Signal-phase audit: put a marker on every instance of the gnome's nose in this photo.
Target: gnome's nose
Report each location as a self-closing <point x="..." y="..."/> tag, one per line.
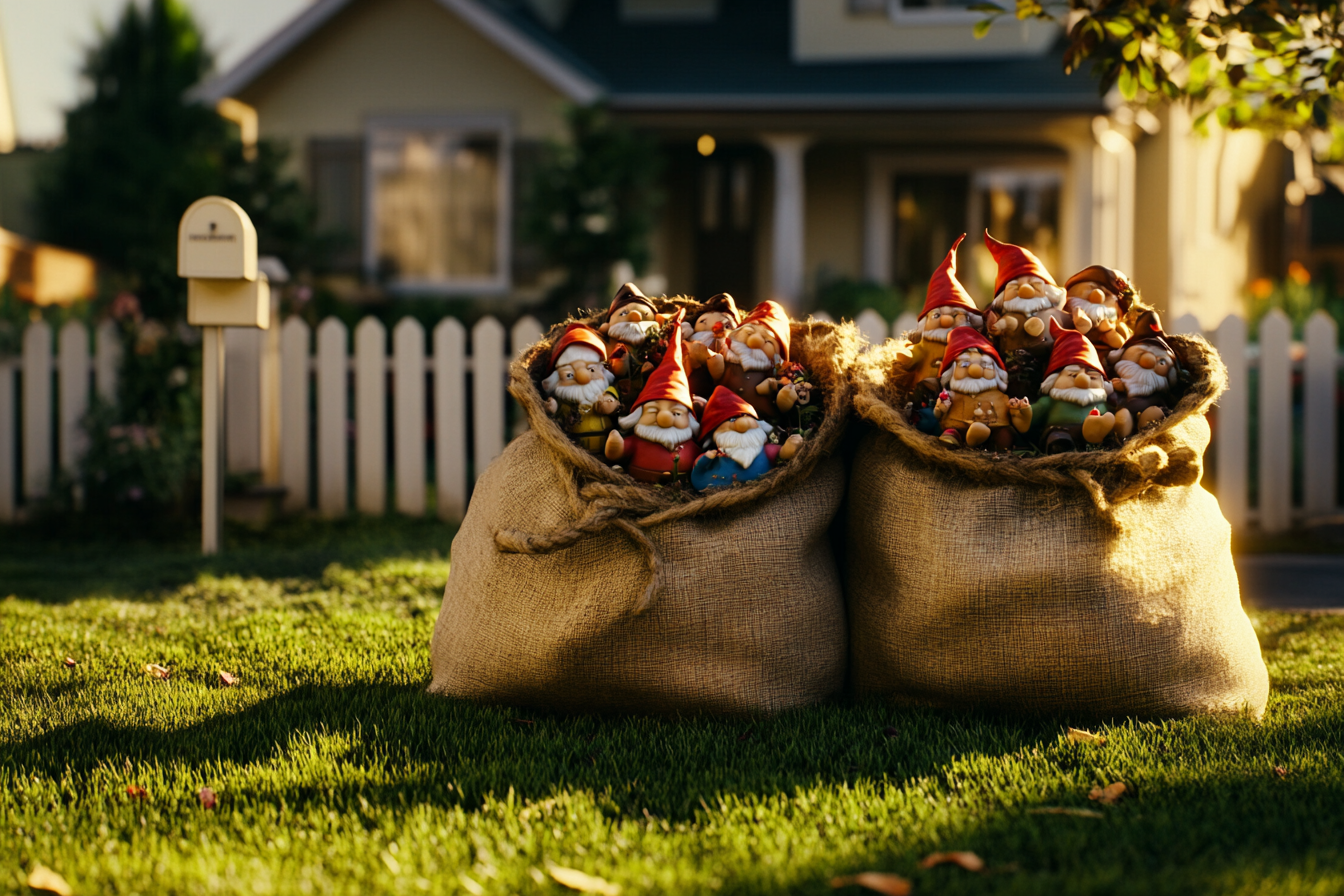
<point x="1096" y="297"/>
<point x="665" y="419"/>
<point x="1081" y="381"/>
<point x="755" y="341"/>
<point x="744" y="424"/>
<point x="1147" y="361"/>
<point x="974" y="371"/>
<point x="1026" y="291"/>
<point x="947" y="320"/>
<point x="581" y="376"/>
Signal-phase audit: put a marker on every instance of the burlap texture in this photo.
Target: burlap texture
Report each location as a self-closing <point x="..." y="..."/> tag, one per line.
<point x="1094" y="582"/>
<point x="572" y="587"/>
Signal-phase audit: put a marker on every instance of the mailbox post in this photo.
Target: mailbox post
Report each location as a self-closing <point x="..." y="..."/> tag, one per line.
<point x="217" y="253"/>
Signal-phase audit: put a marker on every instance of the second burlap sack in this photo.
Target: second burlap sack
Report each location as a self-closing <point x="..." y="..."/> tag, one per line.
<point x="574" y="588"/>
<point x="1093" y="582"/>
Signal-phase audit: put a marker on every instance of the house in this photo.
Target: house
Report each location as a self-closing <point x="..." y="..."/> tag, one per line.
<point x="806" y="141"/>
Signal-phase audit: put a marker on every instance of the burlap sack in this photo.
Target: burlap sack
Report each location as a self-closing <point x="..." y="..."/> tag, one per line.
<point x="1091" y="582"/>
<point x="574" y="588"/>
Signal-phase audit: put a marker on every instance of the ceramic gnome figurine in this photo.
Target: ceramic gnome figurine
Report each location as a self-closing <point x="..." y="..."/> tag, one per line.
<point x="662" y="447"/>
<point x="707" y="334"/>
<point x="1026" y="300"/>
<point x="736" y="438"/>
<point x="1098" y="300"/>
<point x="631" y="325"/>
<point x="1146" y="370"/>
<point x="1072" y="408"/>
<point x="973" y="408"/>
<point x="947" y="305"/>
<point x="755" y="348"/>
<point x="579" y="389"/>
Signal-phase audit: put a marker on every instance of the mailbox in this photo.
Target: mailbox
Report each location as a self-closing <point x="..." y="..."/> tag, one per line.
<point x="217" y="253"/>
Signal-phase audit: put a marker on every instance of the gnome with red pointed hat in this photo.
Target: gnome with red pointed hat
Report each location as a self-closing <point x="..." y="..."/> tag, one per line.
<point x="662" y="448"/>
<point x="705" y="334"/>
<point x="1026" y="299"/>
<point x="747" y="368"/>
<point x="1147" y="369"/>
<point x="579" y="389"/>
<point x="973" y="408"/>
<point x="738" y="443"/>
<point x="1099" y="298"/>
<point x="1072" y="409"/>
<point x="947" y="305"/>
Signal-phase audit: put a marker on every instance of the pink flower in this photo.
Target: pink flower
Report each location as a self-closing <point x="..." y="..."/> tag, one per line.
<point x="126" y="305"/>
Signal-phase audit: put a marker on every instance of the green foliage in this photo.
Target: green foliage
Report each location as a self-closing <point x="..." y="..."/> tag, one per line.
<point x="846" y="299"/>
<point x="337" y="773"/>
<point x="593" y="202"/>
<point x="1297" y="296"/>
<point x="1273" y="65"/>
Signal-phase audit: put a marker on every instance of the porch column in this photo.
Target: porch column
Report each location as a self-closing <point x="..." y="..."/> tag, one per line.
<point x="787" y="240"/>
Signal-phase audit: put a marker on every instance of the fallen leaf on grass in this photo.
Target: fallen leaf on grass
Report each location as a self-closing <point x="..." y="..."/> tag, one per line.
<point x="526" y="723"/>
<point x="1079" y="736"/>
<point x="1108" y="795"/>
<point x="746" y="735"/>
<point x="1065" y="810"/>
<point x="70" y="662"/>
<point x="43" y="878"/>
<point x="1280" y="771"/>
<point x="889" y="732"/>
<point x="968" y="860"/>
<point x="584" y="883"/>
<point x="227" y="679"/>
<point x="890" y="884"/>
<point x="136" y="792"/>
<point x="154" y="670"/>
<point x="207" y="798"/>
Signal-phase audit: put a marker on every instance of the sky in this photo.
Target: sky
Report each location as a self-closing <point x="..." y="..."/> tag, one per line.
<point x="44" y="43"/>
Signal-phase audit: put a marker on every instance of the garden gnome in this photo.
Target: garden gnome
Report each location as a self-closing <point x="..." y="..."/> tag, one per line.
<point x="1026" y="299"/>
<point x="755" y="348"/>
<point x="1098" y="300"/>
<point x="740" y="451"/>
<point x="579" y="389"/>
<point x="946" y="305"/>
<point x="662" y="449"/>
<point x="1072" y="407"/>
<point x="707" y="335"/>
<point x="973" y="408"/>
<point x="1146" y="370"/>
<point x="631" y="324"/>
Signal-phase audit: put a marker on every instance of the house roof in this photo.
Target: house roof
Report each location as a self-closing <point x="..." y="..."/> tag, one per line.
<point x="742" y="59"/>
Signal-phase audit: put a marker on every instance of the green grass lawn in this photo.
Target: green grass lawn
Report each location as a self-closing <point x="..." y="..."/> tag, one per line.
<point x="336" y="773"/>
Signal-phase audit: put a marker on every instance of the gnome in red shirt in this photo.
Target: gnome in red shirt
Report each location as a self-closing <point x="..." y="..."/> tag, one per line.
<point x="947" y="305"/>
<point x="662" y="449"/>
<point x="747" y="368"/>
<point x="1026" y="299"/>
<point x="707" y="334"/>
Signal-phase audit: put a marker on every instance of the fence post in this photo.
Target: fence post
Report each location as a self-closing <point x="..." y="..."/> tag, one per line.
<point x="487" y="368"/>
<point x="106" y="360"/>
<point x="371" y="417"/>
<point x="904" y="324"/>
<point x="872" y="326"/>
<point x="1318" y="406"/>
<point x="294" y="372"/>
<point x="37" y="409"/>
<point x="408" y="413"/>
<point x="1276" y="434"/>
<point x="1186" y="324"/>
<point x="74" y="390"/>
<point x="1234" y="423"/>
<point x="242" y="399"/>
<point x="9" y="438"/>
<point x="450" y="419"/>
<point x="332" y="445"/>
<point x="524" y="334"/>
<point x="822" y="316"/>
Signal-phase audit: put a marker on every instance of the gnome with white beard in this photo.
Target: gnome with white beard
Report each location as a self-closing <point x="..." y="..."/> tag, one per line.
<point x="973" y="408"/>
<point x="747" y="368"/>
<point x="1072" y="410"/>
<point x="579" y="389"/>
<point x="1098" y="300"/>
<point x="947" y="305"/>
<point x="1026" y="301"/>
<point x="705" y="335"/>
<point x="630" y="329"/>
<point x="737" y="443"/>
<point x="662" y="449"/>
<point x="1146" y="371"/>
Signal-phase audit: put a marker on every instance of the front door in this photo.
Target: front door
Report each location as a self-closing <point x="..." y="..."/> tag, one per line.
<point x="727" y="185"/>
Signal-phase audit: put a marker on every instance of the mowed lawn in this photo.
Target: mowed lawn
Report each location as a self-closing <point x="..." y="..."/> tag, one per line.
<point x="336" y="773"/>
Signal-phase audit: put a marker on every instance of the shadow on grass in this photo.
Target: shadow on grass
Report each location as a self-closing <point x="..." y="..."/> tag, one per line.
<point x="37" y="567"/>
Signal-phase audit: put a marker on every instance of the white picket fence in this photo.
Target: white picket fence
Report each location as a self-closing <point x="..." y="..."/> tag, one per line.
<point x="288" y="416"/>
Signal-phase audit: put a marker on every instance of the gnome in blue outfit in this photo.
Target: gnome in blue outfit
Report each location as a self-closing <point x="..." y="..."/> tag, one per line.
<point x="737" y="442"/>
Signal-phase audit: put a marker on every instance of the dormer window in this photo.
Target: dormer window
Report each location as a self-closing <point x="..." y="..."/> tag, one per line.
<point x="670" y="11"/>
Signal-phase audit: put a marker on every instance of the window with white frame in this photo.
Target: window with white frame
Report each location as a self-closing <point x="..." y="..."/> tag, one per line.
<point x="942" y="11"/>
<point x="438" y="203"/>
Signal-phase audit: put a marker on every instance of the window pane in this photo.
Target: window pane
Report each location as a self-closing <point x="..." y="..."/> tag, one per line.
<point x="930" y="213"/>
<point x="436" y="204"/>
<point x="1019" y="207"/>
<point x="337" y="172"/>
